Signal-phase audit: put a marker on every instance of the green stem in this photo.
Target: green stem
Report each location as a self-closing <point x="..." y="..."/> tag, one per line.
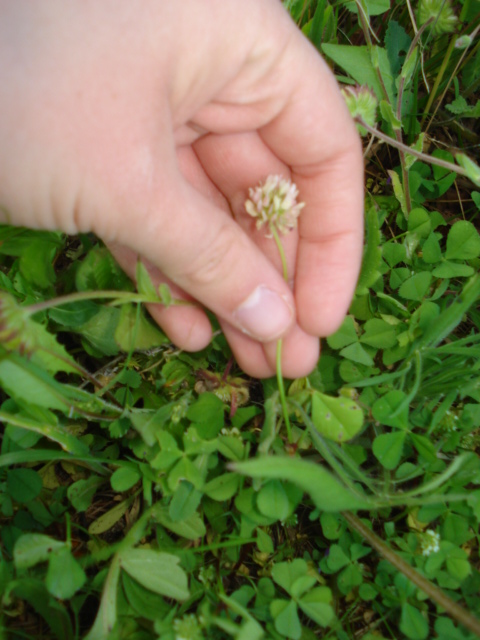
<point x="437" y="595"/>
<point x="122" y="297"/>
<point x="281" y="386"/>
<point x="281" y="391"/>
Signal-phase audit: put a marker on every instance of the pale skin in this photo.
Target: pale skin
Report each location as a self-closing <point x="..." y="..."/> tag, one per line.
<point x="147" y="122"/>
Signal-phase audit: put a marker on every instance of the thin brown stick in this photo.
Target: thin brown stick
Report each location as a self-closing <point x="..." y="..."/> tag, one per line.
<point x="435" y="593"/>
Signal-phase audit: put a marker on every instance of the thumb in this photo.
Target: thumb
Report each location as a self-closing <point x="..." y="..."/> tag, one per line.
<point x="203" y="250"/>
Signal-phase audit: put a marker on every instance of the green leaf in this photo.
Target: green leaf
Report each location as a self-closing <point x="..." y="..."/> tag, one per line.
<point x="337" y="558"/>
<point x="81" y="492"/>
<point x="124" y="478"/>
<point x="416" y="287"/>
<point x="184" y="502"/>
<point x="372" y="254"/>
<point x="424" y="446"/>
<point x="208" y="413"/>
<point x="107" y="613"/>
<point x="100" y="329"/>
<point x="399" y="192"/>
<point x="54" y="613"/>
<point x="419" y="222"/>
<point x="222" y="487"/>
<point x="338" y="419"/>
<point x="326" y="492"/>
<point x="345" y="335"/>
<point x="385" y="409"/>
<point x="373" y="7"/>
<point x="412" y="623"/>
<point x="394" y="253"/>
<point x="144" y="282"/>
<point x="146" y="604"/>
<point x="463" y="241"/>
<point x="64" y="576"/>
<point x="316" y="605"/>
<point x="75" y="314"/>
<point x="457" y="564"/>
<point x="453" y="270"/>
<point x="107" y="520"/>
<point x="33" y="548"/>
<point x="379" y="334"/>
<point x="431" y="251"/>
<point x="192" y="529"/>
<point x="156" y="571"/>
<point x="272" y="501"/>
<point x="23" y="485"/>
<point x="471" y="168"/>
<point x="388" y="448"/>
<point x="358" y="354"/>
<point x="100" y="271"/>
<point x="27" y="383"/>
<point x="451" y="316"/>
<point x="36" y="261"/>
<point x="396" y="42"/>
<point x="389" y="116"/>
<point x="286" y="618"/>
<point x="356" y="62"/>
<point x="134" y="331"/>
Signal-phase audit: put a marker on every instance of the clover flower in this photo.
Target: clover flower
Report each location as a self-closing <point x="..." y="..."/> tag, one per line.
<point x="362" y="103"/>
<point x="274" y="204"/>
<point x="429" y="542"/>
<point x="444" y="19"/>
<point x="187" y="628"/>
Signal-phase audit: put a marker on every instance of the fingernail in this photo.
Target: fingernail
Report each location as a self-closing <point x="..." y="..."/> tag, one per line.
<point x="264" y="315"/>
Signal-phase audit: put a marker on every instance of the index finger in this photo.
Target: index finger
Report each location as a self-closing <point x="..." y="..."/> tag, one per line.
<point x="314" y="134"/>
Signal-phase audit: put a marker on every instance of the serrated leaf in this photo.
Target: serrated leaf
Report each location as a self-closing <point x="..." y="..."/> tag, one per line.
<point x="156" y="571"/>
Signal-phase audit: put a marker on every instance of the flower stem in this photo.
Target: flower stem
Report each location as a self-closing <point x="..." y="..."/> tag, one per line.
<point x="119" y="297"/>
<point x="281" y="386"/>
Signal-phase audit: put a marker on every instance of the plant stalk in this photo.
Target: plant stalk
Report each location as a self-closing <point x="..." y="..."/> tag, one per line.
<point x="435" y="593"/>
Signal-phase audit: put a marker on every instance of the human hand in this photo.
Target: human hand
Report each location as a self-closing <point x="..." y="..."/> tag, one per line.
<point x="146" y="123"/>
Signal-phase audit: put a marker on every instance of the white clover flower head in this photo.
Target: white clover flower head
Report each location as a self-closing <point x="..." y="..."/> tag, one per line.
<point x="274" y="204"/>
<point x="444" y="19"/>
<point x="429" y="542"/>
<point x="187" y="628"/>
